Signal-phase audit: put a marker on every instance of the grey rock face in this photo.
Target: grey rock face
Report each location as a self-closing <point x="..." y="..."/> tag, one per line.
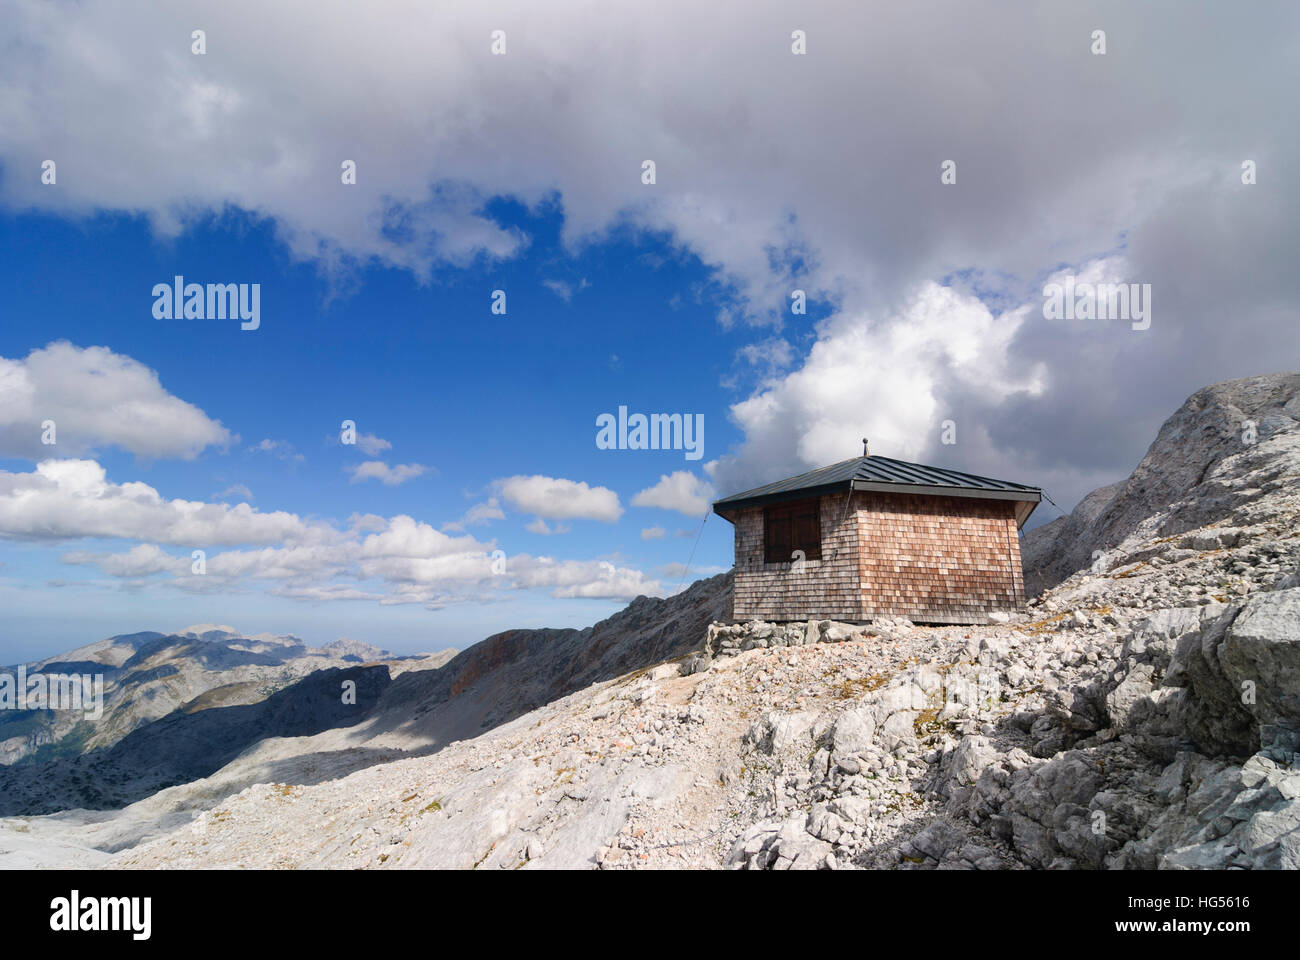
<point x="854" y="731"/>
<point x="1260" y="657"/>
<point x="1183" y="482"/>
<point x="1212" y="716"/>
<point x="1223" y="815"/>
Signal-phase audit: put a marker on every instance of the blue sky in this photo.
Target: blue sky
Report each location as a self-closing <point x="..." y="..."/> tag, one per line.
<point x="471" y="396"/>
<point x="816" y="166"/>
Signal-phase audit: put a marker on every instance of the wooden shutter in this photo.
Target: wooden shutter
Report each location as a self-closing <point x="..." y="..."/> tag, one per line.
<point x="791" y="527"/>
<point x="808" y="531"/>
<point x="779" y="536"/>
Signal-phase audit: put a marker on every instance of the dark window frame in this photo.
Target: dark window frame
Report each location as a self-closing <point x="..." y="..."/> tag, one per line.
<point x="788" y="527"/>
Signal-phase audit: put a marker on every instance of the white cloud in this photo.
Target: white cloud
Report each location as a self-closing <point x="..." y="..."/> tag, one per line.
<point x="97" y="399"/>
<point x="682" y="491"/>
<point x="68" y="499"/>
<point x="769" y="357"/>
<point x="367" y="523"/>
<point x="328" y="591"/>
<point x="565" y="291"/>
<point x="653" y="533"/>
<point x="485" y="512"/>
<point x="478" y="515"/>
<point x="559" y="288"/>
<point x="560" y="499"/>
<point x="236" y="490"/>
<point x="818" y="414"/>
<point x="407" y="561"/>
<point x="588" y="579"/>
<point x="142" y="560"/>
<point x="306" y="562"/>
<point x="411" y="551"/>
<point x="388" y="476"/>
<point x="280" y="449"/>
<point x="539" y="526"/>
<point x="404" y="536"/>
<point x="139" y="125"/>
<point x="371" y="445"/>
<point x="129" y="97"/>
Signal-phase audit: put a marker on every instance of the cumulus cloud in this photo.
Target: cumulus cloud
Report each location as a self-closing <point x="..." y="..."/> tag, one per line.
<point x="653" y="533"/>
<point x="758" y="174"/>
<point x="772" y="211"/>
<point x="768" y="357"/>
<point x="682" y="491"/>
<point x="142" y="560"/>
<point x="389" y="476"/>
<point x="96" y="399"/>
<point x="371" y="445"/>
<point x="477" y="515"/>
<point x="539" y="526"/>
<point x="69" y="499"/>
<point x="398" y="560"/>
<point x="556" y="498"/>
<point x="596" y="579"/>
<point x="306" y="562"/>
<point x="404" y="536"/>
<point x="882" y="378"/>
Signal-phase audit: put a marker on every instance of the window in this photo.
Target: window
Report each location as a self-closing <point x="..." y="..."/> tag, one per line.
<point x="791" y="527"/>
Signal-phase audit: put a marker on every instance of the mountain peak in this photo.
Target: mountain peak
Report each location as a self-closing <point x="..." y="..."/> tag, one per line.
<point x="1217" y="459"/>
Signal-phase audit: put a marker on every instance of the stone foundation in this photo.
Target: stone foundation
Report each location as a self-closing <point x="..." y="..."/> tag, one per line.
<point x="729" y="639"/>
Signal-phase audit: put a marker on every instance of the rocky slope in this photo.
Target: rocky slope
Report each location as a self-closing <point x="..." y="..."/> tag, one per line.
<point x="1193" y="475"/>
<point x="1144" y="712"/>
<point x="517" y="671"/>
<point x="1097" y="739"/>
<point x="216" y="744"/>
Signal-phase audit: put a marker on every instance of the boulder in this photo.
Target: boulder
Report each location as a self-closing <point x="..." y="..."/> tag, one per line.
<point x="853" y="732"/>
<point x="778" y="732"/>
<point x="1262" y="651"/>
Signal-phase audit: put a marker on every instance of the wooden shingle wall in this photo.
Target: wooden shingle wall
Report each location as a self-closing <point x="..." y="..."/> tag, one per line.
<point x="828" y="588"/>
<point x="938" y="559"/>
<point x="930" y="559"/>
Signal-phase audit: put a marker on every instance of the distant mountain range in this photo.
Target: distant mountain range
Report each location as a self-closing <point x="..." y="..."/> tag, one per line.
<point x="149" y="675"/>
<point x="179" y="707"/>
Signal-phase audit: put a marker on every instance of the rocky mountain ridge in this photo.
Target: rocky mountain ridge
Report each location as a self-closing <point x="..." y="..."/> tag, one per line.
<point x="1192" y="476"/>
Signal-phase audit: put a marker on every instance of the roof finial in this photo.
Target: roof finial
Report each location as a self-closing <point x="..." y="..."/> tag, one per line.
<point x="865" y="451"/>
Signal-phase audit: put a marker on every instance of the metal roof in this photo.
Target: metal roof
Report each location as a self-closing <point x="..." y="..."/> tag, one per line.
<point x="885" y="474"/>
